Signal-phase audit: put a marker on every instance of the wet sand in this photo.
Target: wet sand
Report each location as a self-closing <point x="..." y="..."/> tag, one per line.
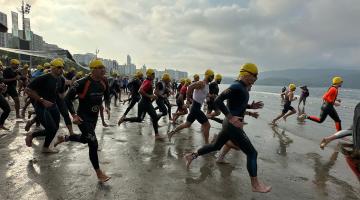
<point x="141" y="168"/>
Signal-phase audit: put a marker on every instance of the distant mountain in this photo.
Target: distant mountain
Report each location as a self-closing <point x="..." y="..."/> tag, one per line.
<point x="309" y="77"/>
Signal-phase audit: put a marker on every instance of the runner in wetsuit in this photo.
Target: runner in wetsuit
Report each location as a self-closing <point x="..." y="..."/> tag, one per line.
<point x="24" y="78"/>
<point x="10" y="79"/>
<point x="196" y="78"/>
<point x="289" y="97"/>
<point x="198" y="91"/>
<point x="181" y="96"/>
<point x="114" y="87"/>
<point x="212" y="111"/>
<point x="162" y="91"/>
<point x="182" y="83"/>
<point x="134" y="87"/>
<point x="4" y="105"/>
<point x="304" y="94"/>
<point x="44" y="91"/>
<point x="145" y="104"/>
<point x="90" y="90"/>
<point x="329" y="101"/>
<point x="237" y="96"/>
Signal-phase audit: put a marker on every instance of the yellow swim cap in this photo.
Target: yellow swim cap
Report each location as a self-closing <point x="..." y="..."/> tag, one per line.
<point x="337" y="80"/>
<point x="187" y="81"/>
<point x="150" y="72"/>
<point x="26" y="66"/>
<point x="166" y="77"/>
<point x="96" y="64"/>
<point x="14" y="62"/>
<point x="39" y="67"/>
<point x="79" y="74"/>
<point x="292" y="87"/>
<point x="57" y="62"/>
<point x="46" y="65"/>
<point x="248" y="68"/>
<point x="196" y="76"/>
<point x="209" y="73"/>
<point x="218" y="77"/>
<point x="139" y="74"/>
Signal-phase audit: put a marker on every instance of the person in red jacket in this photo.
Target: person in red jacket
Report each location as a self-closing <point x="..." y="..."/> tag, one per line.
<point x="329" y="101"/>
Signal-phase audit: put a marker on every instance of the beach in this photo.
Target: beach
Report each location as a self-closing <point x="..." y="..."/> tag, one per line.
<point x="289" y="159"/>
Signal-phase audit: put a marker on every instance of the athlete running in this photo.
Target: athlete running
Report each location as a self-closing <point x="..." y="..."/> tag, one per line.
<point x="198" y="91"/>
<point x="44" y="91"/>
<point x="90" y="91"/>
<point x="288" y="109"/>
<point x="11" y="77"/>
<point x="237" y="96"/>
<point x="145" y="104"/>
<point x="329" y="101"/>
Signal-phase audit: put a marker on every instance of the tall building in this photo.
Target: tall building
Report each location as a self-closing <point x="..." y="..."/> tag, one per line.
<point x="3" y="36"/>
<point x="128" y="59"/>
<point x="37" y="42"/>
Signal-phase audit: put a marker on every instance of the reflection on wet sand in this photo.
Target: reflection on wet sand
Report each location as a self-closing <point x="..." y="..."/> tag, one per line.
<point x="322" y="177"/>
<point x="284" y="140"/>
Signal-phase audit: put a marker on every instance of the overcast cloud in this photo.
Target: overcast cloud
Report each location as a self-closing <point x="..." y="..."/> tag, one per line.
<point x="196" y="35"/>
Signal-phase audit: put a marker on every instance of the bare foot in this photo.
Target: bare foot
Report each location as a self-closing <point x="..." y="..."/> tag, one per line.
<point x="4" y="128"/>
<point x="222" y="161"/>
<point x="159" y="137"/>
<point x="48" y="150"/>
<point x="28" y="140"/>
<point x="121" y="120"/>
<point x="261" y="187"/>
<point x="323" y="143"/>
<point x="189" y="158"/>
<point x="105" y="124"/>
<point x="170" y="134"/>
<point x="60" y="139"/>
<point x="102" y="177"/>
<point x="273" y="123"/>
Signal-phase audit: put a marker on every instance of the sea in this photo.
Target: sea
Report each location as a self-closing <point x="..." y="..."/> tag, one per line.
<point x="270" y="95"/>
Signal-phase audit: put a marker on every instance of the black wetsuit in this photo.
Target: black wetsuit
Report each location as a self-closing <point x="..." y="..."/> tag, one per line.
<point x="213" y="92"/>
<point x="10" y="73"/>
<point x="4" y="105"/>
<point x="114" y="88"/>
<point x="134" y="87"/>
<point x="48" y="87"/>
<point x="145" y="106"/>
<point x="163" y="102"/>
<point x="287" y="104"/>
<point x="63" y="108"/>
<point x="90" y="94"/>
<point x="237" y="97"/>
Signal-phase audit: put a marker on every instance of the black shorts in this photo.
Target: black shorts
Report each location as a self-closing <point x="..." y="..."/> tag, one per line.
<point x="211" y="106"/>
<point x="11" y="91"/>
<point x="287" y="107"/>
<point x="196" y="114"/>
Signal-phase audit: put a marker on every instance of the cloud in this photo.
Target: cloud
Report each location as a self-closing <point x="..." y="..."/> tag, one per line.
<point x="196" y="35"/>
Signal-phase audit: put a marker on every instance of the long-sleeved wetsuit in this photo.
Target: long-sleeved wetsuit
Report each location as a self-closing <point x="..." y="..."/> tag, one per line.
<point x="90" y="94"/>
<point x="237" y="97"/>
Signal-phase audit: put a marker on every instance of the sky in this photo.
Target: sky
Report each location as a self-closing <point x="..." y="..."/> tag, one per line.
<point x="193" y="36"/>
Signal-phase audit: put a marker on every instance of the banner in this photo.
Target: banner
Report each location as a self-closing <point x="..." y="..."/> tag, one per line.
<point x="15" y="24"/>
<point x="27" y="29"/>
